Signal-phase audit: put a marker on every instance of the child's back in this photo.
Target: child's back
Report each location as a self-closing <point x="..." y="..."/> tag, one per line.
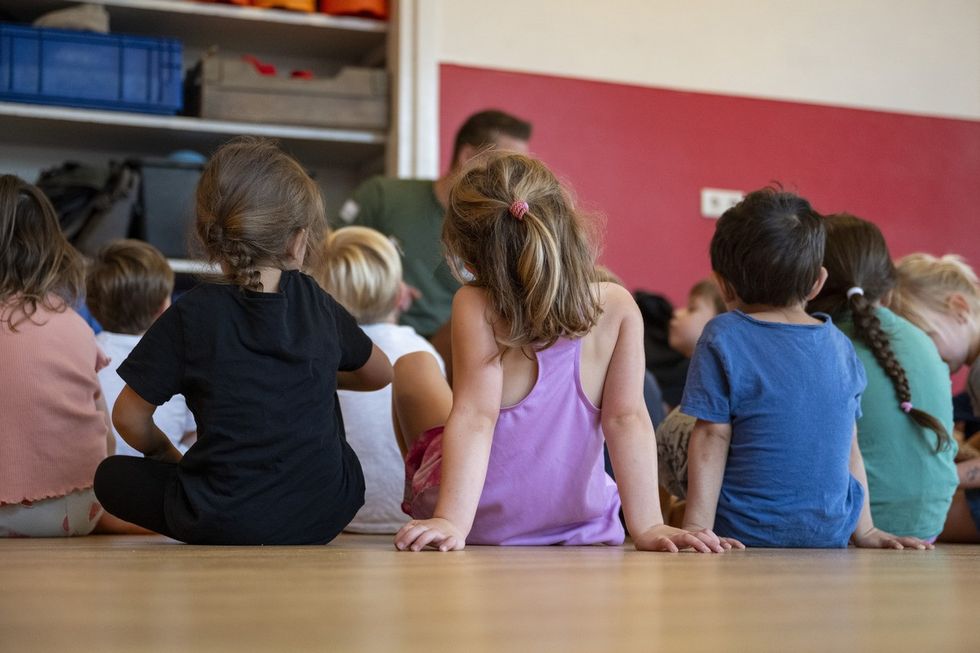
<point x="773" y="456"/>
<point x="258" y="357"/>
<point x="910" y="482"/>
<point x="258" y="369"/>
<point x="907" y="410"/>
<point x="791" y="393"/>
<point x="54" y="431"/>
<point x="362" y="270"/>
<point x="128" y="284"/>
<point x="546" y="363"/>
<point x="546" y="481"/>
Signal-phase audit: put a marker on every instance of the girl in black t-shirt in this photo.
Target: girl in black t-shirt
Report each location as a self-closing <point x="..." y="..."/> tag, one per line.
<point x="259" y="354"/>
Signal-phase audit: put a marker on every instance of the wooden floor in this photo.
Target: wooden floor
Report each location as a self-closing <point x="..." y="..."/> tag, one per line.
<point x="358" y="594"/>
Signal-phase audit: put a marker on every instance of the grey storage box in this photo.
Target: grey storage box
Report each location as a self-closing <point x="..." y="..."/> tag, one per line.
<point x="226" y="87"/>
<point x="167" y="201"/>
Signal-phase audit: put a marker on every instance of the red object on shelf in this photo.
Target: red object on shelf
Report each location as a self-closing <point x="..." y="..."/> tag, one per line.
<point x="301" y="74"/>
<point x="366" y="8"/>
<point x="263" y="68"/>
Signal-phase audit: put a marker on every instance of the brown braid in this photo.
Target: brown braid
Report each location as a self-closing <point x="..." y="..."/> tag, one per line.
<point x="242" y="268"/>
<point x="252" y="200"/>
<point x="868" y="329"/>
<point x="857" y="255"/>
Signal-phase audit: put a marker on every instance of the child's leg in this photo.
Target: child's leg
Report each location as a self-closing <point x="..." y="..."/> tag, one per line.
<point x="961" y="522"/>
<point x="420" y="397"/>
<point x="133" y="489"/>
<point x="73" y="514"/>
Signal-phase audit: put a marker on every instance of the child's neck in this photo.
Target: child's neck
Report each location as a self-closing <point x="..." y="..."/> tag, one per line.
<point x="792" y="314"/>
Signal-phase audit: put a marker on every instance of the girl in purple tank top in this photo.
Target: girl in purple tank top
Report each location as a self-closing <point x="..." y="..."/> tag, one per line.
<point x="547" y="363"/>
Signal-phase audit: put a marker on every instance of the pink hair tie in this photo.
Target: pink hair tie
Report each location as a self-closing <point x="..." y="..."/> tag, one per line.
<point x="907" y="406"/>
<point x="519" y="209"/>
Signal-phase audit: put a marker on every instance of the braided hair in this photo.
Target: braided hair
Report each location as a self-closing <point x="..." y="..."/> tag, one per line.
<point x="861" y="272"/>
<point x="252" y="199"/>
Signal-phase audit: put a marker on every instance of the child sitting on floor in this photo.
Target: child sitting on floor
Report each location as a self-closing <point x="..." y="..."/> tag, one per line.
<point x="361" y="269"/>
<point x="547" y="362"/>
<point x="941" y="297"/>
<point x="259" y="355"/>
<point x="704" y="302"/>
<point x="907" y="410"/>
<point x="54" y="427"/>
<point x="127" y="286"/>
<point x="773" y="457"/>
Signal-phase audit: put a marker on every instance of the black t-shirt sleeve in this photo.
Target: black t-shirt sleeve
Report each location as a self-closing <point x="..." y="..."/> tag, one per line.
<point x="355" y="345"/>
<point x="155" y="367"/>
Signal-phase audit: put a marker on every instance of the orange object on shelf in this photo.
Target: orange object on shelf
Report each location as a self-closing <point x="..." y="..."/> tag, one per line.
<point x="367" y="8"/>
<point x="294" y="5"/>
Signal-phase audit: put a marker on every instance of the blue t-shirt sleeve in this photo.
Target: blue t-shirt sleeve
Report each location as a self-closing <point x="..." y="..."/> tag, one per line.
<point x="707" y="393"/>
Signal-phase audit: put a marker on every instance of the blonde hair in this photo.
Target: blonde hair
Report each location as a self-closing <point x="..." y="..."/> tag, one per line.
<point x="538" y="269"/>
<point x="252" y="199"/>
<point x="127" y="283"/>
<point x="38" y="267"/>
<point x="926" y="282"/>
<point x="362" y="270"/>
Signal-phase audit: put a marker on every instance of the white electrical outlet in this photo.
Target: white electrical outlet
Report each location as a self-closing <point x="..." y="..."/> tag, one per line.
<point x="715" y="201"/>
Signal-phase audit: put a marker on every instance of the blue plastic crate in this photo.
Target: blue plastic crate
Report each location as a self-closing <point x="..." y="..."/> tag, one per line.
<point x="95" y="71"/>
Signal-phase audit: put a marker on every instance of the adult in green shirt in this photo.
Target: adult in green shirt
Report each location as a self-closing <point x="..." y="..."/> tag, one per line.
<point x="411" y="211"/>
<point x="907" y="408"/>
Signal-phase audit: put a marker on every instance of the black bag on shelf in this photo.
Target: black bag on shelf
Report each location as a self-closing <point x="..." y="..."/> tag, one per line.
<point x="94" y="204"/>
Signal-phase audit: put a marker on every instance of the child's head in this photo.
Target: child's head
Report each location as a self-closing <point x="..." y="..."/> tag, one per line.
<point x="514" y="227"/>
<point x="362" y="270"/>
<point x="128" y="285"/>
<point x="37" y="265"/>
<point x="861" y="273"/>
<point x="703" y="303"/>
<point x="768" y="249"/>
<point x="940" y="296"/>
<point x="256" y="207"/>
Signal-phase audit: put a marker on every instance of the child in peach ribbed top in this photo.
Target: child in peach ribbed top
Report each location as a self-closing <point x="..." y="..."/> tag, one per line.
<point x="53" y="425"/>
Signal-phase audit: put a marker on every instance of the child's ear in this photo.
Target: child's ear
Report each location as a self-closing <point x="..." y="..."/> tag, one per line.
<point x="728" y="294"/>
<point x="297" y="246"/>
<point x="818" y="284"/>
<point x="163" y="307"/>
<point x="959" y="306"/>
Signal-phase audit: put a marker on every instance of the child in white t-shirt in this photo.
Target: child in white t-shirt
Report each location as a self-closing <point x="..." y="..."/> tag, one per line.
<point x="128" y="286"/>
<point x="362" y="270"/>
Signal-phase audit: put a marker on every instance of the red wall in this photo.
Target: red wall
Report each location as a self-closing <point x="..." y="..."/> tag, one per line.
<point x="640" y="156"/>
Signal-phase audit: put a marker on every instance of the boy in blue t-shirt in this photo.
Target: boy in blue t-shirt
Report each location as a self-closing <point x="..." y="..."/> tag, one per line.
<point x="773" y="458"/>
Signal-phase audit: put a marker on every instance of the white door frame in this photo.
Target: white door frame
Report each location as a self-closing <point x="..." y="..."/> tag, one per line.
<point x="413" y="44"/>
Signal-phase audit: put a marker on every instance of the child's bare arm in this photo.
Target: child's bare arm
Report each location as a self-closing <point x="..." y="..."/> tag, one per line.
<point x="707" y="455"/>
<point x="631" y="441"/>
<point x="133" y="418"/>
<point x="373" y="375"/>
<point x="469" y="430"/>
<point x="101" y="406"/>
<point x="865" y="534"/>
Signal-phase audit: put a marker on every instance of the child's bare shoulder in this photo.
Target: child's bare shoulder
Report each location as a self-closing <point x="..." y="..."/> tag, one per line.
<point x="616" y="301"/>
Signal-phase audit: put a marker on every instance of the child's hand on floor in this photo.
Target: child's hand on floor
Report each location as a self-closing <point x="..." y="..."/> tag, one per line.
<point x="670" y="539"/>
<point x="436" y="533"/>
<point x="878" y="539"/>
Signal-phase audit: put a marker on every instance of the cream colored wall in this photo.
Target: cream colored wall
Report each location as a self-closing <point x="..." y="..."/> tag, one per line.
<point x="913" y="56"/>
